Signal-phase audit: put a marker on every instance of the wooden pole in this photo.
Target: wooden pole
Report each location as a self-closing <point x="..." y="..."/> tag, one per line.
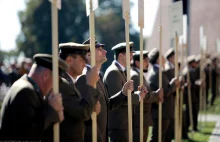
<point x="160" y="75"/>
<point x="189" y="96"/>
<point x="141" y="83"/>
<point x="201" y="89"/>
<point x="141" y="25"/>
<point x="177" y="90"/>
<point x="92" y="49"/>
<point x="160" y="86"/>
<point x="128" y="78"/>
<point x="126" y="16"/>
<point x="54" y="12"/>
<point x="204" y="91"/>
<point x="181" y="95"/>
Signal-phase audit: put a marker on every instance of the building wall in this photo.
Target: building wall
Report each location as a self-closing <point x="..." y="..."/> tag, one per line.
<point x="207" y="14"/>
<point x="202" y="12"/>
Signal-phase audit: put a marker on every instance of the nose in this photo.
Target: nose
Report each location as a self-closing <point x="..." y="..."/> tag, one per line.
<point x="104" y="51"/>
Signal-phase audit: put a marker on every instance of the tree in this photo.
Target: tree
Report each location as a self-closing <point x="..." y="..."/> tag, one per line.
<point x="35" y="21"/>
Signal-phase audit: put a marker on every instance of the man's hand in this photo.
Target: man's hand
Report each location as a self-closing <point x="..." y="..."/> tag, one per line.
<point x="97" y="108"/>
<point x="176" y="81"/>
<point x="128" y="86"/>
<point x="160" y="95"/>
<point x="92" y="76"/>
<point x="55" y="101"/>
<point x="143" y="92"/>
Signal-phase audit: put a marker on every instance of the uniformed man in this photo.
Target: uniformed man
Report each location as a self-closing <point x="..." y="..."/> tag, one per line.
<point x="114" y="79"/>
<point x="169" y="70"/>
<point x="151" y="96"/>
<point x="168" y="89"/>
<point x="24" y="114"/>
<point x="207" y="78"/>
<point x="194" y="87"/>
<point x="215" y="75"/>
<point x="107" y="103"/>
<point x="77" y="109"/>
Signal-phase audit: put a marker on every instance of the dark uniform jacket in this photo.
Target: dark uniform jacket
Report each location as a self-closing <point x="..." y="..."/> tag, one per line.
<point x="168" y="89"/>
<point x="170" y="73"/>
<point x="24" y="113"/>
<point x="77" y="109"/>
<point x="114" y="80"/>
<point x="107" y="104"/>
<point x="151" y="97"/>
<point x="193" y="73"/>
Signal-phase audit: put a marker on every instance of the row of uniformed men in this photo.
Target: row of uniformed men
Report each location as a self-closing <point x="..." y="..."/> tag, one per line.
<point x="28" y="113"/>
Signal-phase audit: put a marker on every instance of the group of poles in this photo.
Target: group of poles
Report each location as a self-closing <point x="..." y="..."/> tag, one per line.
<point x="91" y="6"/>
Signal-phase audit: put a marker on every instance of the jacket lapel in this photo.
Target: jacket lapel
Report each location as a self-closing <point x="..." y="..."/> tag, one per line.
<point x="124" y="77"/>
<point x="66" y="76"/>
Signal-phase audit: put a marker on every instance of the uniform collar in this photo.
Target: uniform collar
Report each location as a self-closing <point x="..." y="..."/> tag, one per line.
<point x="171" y="65"/>
<point x="122" y="67"/>
<point x="73" y="80"/>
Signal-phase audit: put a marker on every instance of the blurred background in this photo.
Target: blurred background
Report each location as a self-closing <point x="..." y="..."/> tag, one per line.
<point x="25" y="27"/>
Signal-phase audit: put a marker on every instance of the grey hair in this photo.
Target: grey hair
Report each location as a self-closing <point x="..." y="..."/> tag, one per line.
<point x="37" y="69"/>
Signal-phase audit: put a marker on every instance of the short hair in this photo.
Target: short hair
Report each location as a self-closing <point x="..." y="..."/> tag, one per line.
<point x="117" y="54"/>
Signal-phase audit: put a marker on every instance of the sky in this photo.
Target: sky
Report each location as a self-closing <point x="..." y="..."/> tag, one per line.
<point x="9" y="16"/>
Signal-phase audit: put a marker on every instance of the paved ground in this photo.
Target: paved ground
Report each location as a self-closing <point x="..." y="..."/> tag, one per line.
<point x="215" y="137"/>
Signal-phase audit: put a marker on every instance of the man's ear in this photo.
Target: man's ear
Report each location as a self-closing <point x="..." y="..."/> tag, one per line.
<point x="137" y="63"/>
<point x="120" y="55"/>
<point x="47" y="74"/>
<point x="68" y="59"/>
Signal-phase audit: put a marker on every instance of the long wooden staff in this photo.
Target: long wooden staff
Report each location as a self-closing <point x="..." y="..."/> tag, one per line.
<point x="91" y="6"/>
<point x="54" y="5"/>
<point x="141" y="25"/>
<point x="160" y="76"/>
<point x="177" y="90"/>
<point x="189" y="95"/>
<point x="181" y="96"/>
<point x="201" y="70"/>
<point x="204" y="91"/>
<point x="126" y="16"/>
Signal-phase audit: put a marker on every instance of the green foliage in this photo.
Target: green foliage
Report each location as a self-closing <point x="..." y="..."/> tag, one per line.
<point x="215" y="109"/>
<point x="36" y="25"/>
<point x="35" y="20"/>
<point x="204" y="134"/>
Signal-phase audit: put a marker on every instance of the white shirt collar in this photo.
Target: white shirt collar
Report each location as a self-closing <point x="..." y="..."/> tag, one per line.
<point x="122" y="67"/>
<point x="138" y="70"/>
<point x="73" y="80"/>
<point x="171" y="64"/>
<point x="88" y="65"/>
<point x="158" y="66"/>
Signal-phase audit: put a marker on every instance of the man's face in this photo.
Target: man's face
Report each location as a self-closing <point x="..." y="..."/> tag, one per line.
<point x="100" y="55"/>
<point x="194" y="65"/>
<point x="172" y="59"/>
<point x="88" y="57"/>
<point x="77" y="64"/>
<point x="145" y="63"/>
<point x="47" y="81"/>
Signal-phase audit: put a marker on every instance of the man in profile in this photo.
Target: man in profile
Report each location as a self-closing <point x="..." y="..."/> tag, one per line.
<point x="24" y="114"/>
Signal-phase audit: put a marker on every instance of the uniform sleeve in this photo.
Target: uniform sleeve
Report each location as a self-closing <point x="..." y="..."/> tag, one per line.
<point x="28" y="115"/>
<point x="117" y="100"/>
<point x="113" y="83"/>
<point x="151" y="97"/>
<point x="79" y="106"/>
